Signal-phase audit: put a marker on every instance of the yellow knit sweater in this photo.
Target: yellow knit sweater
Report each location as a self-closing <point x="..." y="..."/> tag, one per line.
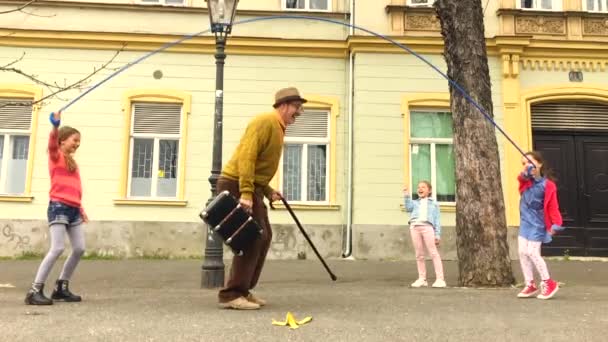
<point x="256" y="158"/>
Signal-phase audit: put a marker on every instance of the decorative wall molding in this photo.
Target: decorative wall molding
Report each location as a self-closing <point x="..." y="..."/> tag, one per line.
<point x="595" y="26"/>
<point x="540" y="25"/>
<point x="544" y="48"/>
<point x="414" y="19"/>
<point x="566" y="25"/>
<point x="563" y="64"/>
<point x="150" y="42"/>
<point x="510" y="65"/>
<point x="422" y="22"/>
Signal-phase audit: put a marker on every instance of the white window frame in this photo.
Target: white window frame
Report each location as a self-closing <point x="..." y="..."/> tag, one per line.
<point x="428" y="141"/>
<point x="604" y="10"/>
<point x="162" y="3"/>
<point x="304" y="171"/>
<point x="556" y="5"/>
<point x="8" y="149"/>
<point x="307" y="7"/>
<point x="6" y="155"/>
<point x="428" y="3"/>
<point x="155" y="159"/>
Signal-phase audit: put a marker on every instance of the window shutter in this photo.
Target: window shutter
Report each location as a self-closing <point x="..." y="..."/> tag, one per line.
<point x="311" y="124"/>
<point x="15" y="114"/>
<point x="156" y="118"/>
<point x="570" y="115"/>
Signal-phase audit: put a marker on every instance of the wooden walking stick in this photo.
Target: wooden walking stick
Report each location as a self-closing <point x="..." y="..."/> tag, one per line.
<point x="331" y="274"/>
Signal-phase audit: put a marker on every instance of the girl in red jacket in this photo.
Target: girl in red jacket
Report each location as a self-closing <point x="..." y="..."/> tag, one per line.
<point x="540" y="219"/>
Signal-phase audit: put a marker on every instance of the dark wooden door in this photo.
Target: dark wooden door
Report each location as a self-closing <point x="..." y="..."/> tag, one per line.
<point x="560" y="154"/>
<point x="581" y="166"/>
<point x="593" y="185"/>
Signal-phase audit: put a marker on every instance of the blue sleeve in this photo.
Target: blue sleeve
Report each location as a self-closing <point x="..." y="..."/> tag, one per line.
<point x="409" y="204"/>
<point x="437" y="220"/>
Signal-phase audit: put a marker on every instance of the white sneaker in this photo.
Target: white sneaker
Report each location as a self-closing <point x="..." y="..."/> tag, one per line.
<point x="419" y="283"/>
<point x="439" y="283"/>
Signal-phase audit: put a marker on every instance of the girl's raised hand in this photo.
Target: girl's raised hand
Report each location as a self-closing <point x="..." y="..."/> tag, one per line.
<point x="55" y="119"/>
<point x="529" y="170"/>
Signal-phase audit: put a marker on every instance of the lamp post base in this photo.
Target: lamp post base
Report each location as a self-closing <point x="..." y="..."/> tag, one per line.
<point x="212" y="278"/>
<point x="213" y="265"/>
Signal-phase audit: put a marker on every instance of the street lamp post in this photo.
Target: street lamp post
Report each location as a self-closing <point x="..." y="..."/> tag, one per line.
<point x="221" y="16"/>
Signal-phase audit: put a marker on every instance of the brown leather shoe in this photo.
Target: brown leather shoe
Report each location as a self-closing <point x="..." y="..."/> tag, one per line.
<point x="253" y="299"/>
<point x="240" y="304"/>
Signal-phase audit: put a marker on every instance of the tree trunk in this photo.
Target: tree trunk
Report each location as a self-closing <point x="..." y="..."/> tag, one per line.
<point x="481" y="229"/>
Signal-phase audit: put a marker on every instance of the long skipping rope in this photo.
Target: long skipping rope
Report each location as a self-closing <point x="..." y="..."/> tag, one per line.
<point x="402" y="46"/>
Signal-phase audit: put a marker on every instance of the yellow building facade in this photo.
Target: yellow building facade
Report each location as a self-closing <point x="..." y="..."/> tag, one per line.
<point x="378" y="118"/>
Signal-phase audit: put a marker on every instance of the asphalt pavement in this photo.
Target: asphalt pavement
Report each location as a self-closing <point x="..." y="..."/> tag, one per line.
<point x="161" y="300"/>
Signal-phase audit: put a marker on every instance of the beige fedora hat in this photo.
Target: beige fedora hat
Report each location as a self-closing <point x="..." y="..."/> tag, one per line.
<point x="286" y="95"/>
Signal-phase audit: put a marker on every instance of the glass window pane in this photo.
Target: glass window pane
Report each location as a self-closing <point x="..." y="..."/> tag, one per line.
<point x="1" y="156"/>
<point x="318" y="4"/>
<point x="526" y="3"/>
<point x="167" y="168"/>
<point x="546" y="4"/>
<point x="141" y="167"/>
<point x="299" y="4"/>
<point x="421" y="165"/>
<point x="431" y="125"/>
<point x="445" y="189"/>
<point x="292" y="178"/>
<point x="317" y="172"/>
<point x="17" y="164"/>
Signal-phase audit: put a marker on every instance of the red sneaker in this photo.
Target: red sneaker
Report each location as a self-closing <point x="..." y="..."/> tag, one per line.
<point x="528" y="291"/>
<point x="549" y="288"/>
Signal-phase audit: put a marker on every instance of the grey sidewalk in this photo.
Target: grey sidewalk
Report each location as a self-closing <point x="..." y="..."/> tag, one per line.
<point x="146" y="300"/>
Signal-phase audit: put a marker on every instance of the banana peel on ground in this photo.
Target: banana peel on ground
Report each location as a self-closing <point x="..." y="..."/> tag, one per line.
<point x="291" y="321"/>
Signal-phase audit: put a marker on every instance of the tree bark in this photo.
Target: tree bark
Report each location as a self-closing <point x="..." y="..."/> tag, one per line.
<point x="482" y="248"/>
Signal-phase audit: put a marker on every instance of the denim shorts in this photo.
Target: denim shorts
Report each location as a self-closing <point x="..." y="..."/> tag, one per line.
<point x="64" y="214"/>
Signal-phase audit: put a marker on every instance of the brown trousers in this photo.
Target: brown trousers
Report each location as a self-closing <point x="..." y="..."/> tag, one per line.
<point x="246" y="269"/>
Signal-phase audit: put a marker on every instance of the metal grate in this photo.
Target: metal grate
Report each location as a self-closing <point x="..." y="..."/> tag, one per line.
<point x="570" y="115"/>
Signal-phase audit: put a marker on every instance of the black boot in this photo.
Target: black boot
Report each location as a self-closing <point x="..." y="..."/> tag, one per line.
<point x="35" y="296"/>
<point x="62" y="292"/>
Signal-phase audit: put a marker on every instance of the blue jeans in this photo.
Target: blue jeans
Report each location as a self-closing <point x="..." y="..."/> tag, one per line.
<point x="63" y="214"/>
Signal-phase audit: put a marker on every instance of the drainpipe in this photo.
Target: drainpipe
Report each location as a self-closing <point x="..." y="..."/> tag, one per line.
<point x="348" y="236"/>
<point x="352" y="17"/>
